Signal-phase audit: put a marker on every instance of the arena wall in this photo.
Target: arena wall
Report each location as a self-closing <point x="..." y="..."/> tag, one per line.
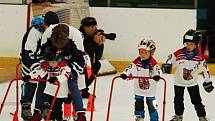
<point x="166" y="26"/>
<point x="12" y="28"/>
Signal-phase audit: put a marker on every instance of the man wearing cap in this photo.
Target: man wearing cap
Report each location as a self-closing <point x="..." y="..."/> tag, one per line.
<point x="31" y="44"/>
<point x="94" y="46"/>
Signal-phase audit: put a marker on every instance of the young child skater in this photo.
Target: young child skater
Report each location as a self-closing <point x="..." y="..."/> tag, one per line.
<point x="144" y="65"/>
<point x="53" y="68"/>
<point x="188" y="61"/>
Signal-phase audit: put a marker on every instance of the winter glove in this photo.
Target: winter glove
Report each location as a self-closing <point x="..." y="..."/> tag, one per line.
<point x="208" y="86"/>
<point x="156" y="78"/>
<point x="123" y="76"/>
<point x="166" y="68"/>
<point x="26" y="78"/>
<point x="52" y="80"/>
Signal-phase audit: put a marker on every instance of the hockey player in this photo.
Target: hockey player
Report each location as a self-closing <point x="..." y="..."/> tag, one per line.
<point x="188" y="61"/>
<point x="30" y="48"/>
<point x="70" y="40"/>
<point x="53" y="68"/>
<point x="144" y="65"/>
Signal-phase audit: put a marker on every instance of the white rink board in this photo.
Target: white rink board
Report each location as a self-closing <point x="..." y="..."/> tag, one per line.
<point x="166" y="26"/>
<point x="12" y="1"/>
<point x="12" y="28"/>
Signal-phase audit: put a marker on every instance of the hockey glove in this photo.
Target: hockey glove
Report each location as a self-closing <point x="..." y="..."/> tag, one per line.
<point x="156" y="78"/>
<point x="26" y="78"/>
<point x="123" y="76"/>
<point x="52" y="80"/>
<point x="166" y="68"/>
<point x="208" y="86"/>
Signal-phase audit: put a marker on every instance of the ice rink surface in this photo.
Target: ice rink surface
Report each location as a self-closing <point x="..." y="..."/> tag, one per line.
<point x="123" y="101"/>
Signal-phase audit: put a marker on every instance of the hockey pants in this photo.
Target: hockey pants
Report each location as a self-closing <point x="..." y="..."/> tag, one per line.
<point x="28" y="91"/>
<point x="139" y="107"/>
<point x="195" y="99"/>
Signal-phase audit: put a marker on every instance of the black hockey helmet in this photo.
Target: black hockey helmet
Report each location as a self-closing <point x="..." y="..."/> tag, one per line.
<point x="192" y="36"/>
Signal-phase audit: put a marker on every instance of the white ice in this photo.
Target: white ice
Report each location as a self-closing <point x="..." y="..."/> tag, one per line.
<point x="123" y="103"/>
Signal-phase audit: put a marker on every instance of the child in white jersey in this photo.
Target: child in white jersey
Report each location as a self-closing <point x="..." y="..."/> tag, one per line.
<point x="144" y="65"/>
<point x="188" y="61"/>
<point x="52" y="68"/>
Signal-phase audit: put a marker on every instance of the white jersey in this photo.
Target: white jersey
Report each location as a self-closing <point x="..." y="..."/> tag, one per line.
<point x="144" y="87"/>
<point x="30" y="48"/>
<point x="187" y="67"/>
<point x="74" y="34"/>
<point x="32" y="41"/>
<point x="62" y="73"/>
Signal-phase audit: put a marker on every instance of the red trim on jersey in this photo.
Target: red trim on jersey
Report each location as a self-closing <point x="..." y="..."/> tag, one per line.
<point x="199" y="54"/>
<point x="136" y="60"/>
<point x="198" y="57"/>
<point x="44" y="64"/>
<point x="180" y="51"/>
<point x="66" y="75"/>
<point x="62" y="64"/>
<point x="152" y="61"/>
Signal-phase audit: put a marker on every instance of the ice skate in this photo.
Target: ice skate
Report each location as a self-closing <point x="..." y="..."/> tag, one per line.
<point x="203" y="119"/>
<point x="26" y="112"/>
<point x="177" y="118"/>
<point x="81" y="117"/>
<point x="139" y="118"/>
<point x="37" y="116"/>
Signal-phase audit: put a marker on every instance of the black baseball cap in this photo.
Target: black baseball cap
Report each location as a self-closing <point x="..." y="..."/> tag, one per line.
<point x="88" y="21"/>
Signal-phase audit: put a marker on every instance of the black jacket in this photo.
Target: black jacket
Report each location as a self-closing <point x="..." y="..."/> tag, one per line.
<point x="94" y="50"/>
<point x="73" y="56"/>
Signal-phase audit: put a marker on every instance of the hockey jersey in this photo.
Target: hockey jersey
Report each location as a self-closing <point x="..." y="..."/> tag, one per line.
<point x="76" y="39"/>
<point x="74" y="35"/>
<point x="31" y="44"/>
<point x="144" y="87"/>
<point x="61" y="72"/>
<point x="188" y="67"/>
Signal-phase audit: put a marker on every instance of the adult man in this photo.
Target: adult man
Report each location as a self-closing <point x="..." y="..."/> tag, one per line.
<point x="70" y="40"/>
<point x="94" y="46"/>
<point x="30" y="49"/>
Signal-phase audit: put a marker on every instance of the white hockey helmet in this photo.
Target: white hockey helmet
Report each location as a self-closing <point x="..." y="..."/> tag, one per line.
<point x="148" y="45"/>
